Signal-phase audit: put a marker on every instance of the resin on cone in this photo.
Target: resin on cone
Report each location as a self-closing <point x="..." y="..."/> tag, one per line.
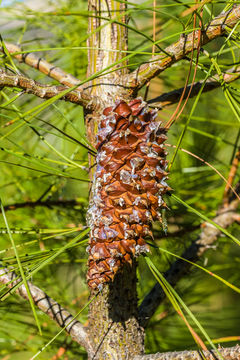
<point x="127" y="188"/>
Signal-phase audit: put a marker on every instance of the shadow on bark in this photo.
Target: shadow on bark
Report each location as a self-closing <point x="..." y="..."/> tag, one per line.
<point x="113" y="319"/>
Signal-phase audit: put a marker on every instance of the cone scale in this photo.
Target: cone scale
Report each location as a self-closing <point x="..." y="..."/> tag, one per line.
<point x="128" y="188"/>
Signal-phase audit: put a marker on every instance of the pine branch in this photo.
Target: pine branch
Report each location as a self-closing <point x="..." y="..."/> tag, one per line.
<point x="212" y="83"/>
<point x="177" y="51"/>
<point x="232" y="353"/>
<point x="50" y="307"/>
<point x="30" y="86"/>
<point x="226" y="217"/>
<point x="42" y="65"/>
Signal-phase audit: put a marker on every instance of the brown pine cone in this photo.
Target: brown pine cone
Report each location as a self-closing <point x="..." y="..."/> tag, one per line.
<point x="127" y="189"/>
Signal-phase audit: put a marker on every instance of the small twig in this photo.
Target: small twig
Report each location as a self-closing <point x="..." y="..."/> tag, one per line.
<point x="209" y="165"/>
<point x="47" y="203"/>
<point x="177" y="51"/>
<point x="42" y="65"/>
<point x="232" y="353"/>
<point x="175" y="116"/>
<point x="225" y="218"/>
<point x="43" y="91"/>
<point x="231" y="176"/>
<point x="50" y="307"/>
<point x="212" y="83"/>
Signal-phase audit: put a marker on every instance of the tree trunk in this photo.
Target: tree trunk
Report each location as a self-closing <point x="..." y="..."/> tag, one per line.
<point x="113" y="316"/>
<point x="113" y="319"/>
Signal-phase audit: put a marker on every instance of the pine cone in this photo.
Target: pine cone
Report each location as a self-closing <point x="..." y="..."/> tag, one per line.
<point x="127" y="189"/>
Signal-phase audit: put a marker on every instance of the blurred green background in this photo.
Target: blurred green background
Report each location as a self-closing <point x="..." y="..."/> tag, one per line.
<point x="53" y="191"/>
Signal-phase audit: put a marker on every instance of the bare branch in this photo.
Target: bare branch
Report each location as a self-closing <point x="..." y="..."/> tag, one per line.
<point x="212" y="83"/>
<point x="43" y="91"/>
<point x="42" y="65"/>
<point x="177" y="51"/>
<point x="232" y="353"/>
<point x="226" y="217"/>
<point x="50" y="307"/>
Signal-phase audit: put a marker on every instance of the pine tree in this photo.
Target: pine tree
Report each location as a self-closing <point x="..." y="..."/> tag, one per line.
<point x="127" y="167"/>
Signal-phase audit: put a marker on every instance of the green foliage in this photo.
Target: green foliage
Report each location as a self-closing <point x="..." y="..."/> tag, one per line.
<point x="44" y="169"/>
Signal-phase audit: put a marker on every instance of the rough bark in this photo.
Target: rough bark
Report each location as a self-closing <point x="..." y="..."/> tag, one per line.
<point x="227" y="354"/>
<point x="113" y="319"/>
<point x="30" y="86"/>
<point x="42" y="65"/>
<point x="105" y="35"/>
<point x="177" y="51"/>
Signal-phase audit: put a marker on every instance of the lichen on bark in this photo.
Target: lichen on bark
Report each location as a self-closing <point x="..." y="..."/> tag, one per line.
<point x="113" y="321"/>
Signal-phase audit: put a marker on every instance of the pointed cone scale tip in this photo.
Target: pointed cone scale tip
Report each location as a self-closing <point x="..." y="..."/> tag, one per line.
<point x="127" y="192"/>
